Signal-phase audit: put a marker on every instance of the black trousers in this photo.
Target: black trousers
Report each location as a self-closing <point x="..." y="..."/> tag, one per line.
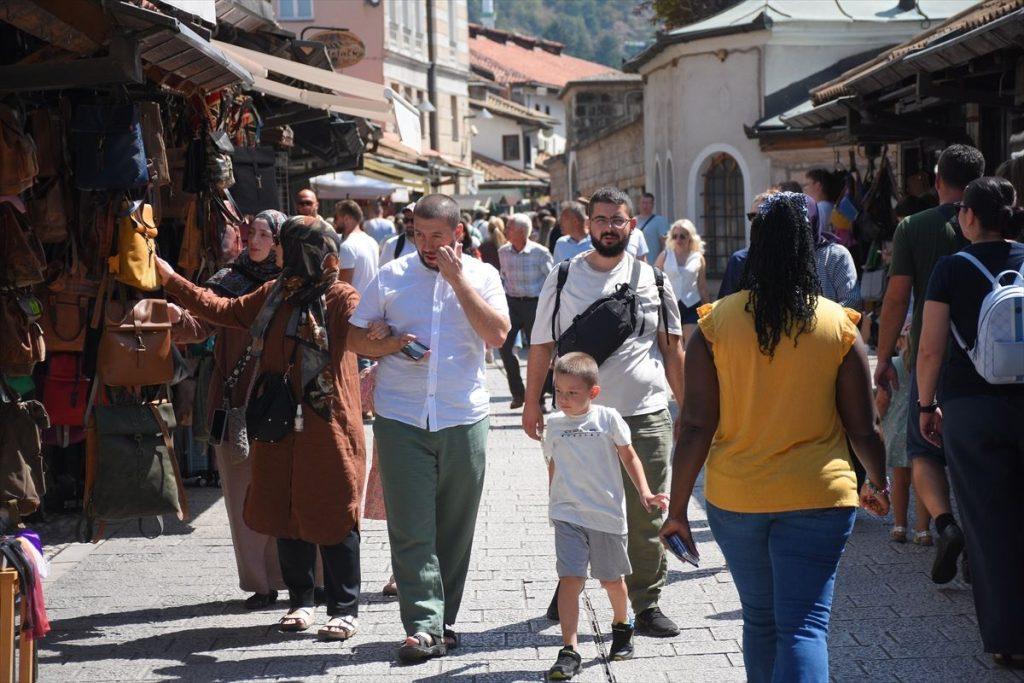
<point x="983" y="438"/>
<point x="521" y="312"/>
<point x="341" y="573"/>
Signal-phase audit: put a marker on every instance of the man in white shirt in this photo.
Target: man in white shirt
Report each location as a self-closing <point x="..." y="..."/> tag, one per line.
<point x="432" y="413"/>
<point x="652" y="226"/>
<point x="524" y="266"/>
<point x="636" y="246"/>
<point x="376" y="226"/>
<point x="636" y="380"/>
<point x="575" y="238"/>
<point x="358" y="254"/>
<point x="405" y="241"/>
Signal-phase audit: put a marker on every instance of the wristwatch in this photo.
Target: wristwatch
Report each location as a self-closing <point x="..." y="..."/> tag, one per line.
<point x="874" y="489"/>
<point x="928" y="409"/>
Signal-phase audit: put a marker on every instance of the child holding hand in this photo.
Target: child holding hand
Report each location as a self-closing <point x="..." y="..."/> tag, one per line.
<point x="584" y="445"/>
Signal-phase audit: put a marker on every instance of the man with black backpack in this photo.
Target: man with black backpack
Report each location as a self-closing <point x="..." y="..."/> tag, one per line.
<point x="625" y="315"/>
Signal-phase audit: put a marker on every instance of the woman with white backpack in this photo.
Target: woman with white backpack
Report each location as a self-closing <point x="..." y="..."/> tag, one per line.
<point x="977" y="414"/>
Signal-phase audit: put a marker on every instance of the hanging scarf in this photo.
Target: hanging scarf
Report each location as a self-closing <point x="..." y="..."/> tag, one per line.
<point x="306" y="241"/>
<point x="243" y="275"/>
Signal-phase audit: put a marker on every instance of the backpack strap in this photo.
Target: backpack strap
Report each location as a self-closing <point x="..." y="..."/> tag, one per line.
<point x="980" y="266"/>
<point x="634" y="286"/>
<point x="563" y="275"/>
<point x="659" y="281"/>
<point x="399" y="244"/>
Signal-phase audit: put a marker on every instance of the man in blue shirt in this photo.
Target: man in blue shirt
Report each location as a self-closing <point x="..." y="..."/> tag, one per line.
<point x="653" y="226"/>
<point x="575" y="238"/>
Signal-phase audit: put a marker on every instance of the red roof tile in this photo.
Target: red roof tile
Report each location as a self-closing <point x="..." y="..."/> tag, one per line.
<point x="513" y="59"/>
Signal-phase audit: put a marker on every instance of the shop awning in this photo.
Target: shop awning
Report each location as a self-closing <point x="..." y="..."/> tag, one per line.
<point x="349" y="185"/>
<point x="183" y="59"/>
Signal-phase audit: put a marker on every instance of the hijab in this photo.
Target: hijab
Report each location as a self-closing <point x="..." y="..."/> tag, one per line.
<point x="243" y="275"/>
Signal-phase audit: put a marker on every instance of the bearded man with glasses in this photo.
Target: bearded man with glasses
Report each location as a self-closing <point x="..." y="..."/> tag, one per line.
<point x="635" y="379"/>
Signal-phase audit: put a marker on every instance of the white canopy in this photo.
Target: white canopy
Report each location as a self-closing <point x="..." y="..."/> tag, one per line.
<point x="348" y="185"/>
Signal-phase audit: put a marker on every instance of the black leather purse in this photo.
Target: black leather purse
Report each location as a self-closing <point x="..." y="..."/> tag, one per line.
<point x="270" y="415"/>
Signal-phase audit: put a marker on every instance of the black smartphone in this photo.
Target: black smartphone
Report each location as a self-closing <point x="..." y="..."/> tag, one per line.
<point x="217" y="426"/>
<point x="682" y="550"/>
<point x="415" y="350"/>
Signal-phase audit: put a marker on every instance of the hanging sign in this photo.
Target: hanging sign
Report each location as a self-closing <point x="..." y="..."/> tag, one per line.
<point x="343" y="47"/>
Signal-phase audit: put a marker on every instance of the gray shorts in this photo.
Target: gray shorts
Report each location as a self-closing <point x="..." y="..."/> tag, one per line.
<point x="576" y="547"/>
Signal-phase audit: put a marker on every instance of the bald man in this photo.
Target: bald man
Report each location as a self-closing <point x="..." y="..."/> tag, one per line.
<point x="307" y="204"/>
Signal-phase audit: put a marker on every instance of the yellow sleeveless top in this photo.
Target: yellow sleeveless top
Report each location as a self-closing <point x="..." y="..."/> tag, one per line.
<point x="780" y="444"/>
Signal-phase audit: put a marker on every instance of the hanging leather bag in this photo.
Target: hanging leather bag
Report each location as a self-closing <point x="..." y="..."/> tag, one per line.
<point x="18" y="161"/>
<point x="65" y="390"/>
<point x="107" y="147"/>
<point x="190" y="256"/>
<point x="66" y="300"/>
<point x="131" y="466"/>
<point x="255" y="187"/>
<point x="174" y="197"/>
<point x="135" y="261"/>
<point x="21" y="337"/>
<point x="47" y="126"/>
<point x="219" y="169"/>
<point x="153" y="140"/>
<point x="21" y="455"/>
<point x="225" y="222"/>
<point x="22" y="260"/>
<point x="135" y="348"/>
<point x="48" y="211"/>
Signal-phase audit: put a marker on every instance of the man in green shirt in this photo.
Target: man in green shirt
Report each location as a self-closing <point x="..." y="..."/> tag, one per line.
<point x="920" y="241"/>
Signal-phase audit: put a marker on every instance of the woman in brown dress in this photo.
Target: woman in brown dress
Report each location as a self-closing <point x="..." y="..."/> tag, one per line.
<point x="306" y="488"/>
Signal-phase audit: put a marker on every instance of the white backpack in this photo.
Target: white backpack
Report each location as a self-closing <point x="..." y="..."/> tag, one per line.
<point x="998" y="352"/>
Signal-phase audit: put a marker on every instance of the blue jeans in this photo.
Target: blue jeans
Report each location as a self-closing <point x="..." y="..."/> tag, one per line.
<point x="784" y="565"/>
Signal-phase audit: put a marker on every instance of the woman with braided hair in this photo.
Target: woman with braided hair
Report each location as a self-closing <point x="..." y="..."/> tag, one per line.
<point x="777" y="379"/>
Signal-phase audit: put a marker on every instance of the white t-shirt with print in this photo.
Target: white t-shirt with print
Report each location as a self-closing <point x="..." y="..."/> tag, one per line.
<point x="588" y="488"/>
<point x="633" y="378"/>
<point x="359" y="251"/>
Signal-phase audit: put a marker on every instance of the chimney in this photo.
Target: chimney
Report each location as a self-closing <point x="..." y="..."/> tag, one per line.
<point x="487" y="13"/>
<point x="905" y="5"/>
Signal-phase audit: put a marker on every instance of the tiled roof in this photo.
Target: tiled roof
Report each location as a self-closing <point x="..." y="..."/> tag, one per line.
<point x="495" y="171"/>
<point x="511" y="59"/>
<point x="500" y="106"/>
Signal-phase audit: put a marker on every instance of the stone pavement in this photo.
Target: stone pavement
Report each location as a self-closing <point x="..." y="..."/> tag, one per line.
<point x="136" y="609"/>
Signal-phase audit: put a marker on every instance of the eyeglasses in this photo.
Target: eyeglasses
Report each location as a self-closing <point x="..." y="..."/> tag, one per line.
<point x="680" y="238"/>
<point x="751" y="216"/>
<point x="601" y="222"/>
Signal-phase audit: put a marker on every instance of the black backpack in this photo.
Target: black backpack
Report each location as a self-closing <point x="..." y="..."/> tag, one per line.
<point x="608" y="322"/>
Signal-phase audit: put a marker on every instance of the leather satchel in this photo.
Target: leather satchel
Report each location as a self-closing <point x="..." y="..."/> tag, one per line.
<point x="66" y="300"/>
<point x="65" y="390"/>
<point x="107" y="145"/>
<point x="134" y="469"/>
<point x="21" y="337"/>
<point x="48" y="211"/>
<point x="48" y="133"/>
<point x="135" y="261"/>
<point x="21" y="455"/>
<point x="153" y="140"/>
<point x="22" y="260"/>
<point x="255" y="187"/>
<point x="135" y="348"/>
<point x="18" y="161"/>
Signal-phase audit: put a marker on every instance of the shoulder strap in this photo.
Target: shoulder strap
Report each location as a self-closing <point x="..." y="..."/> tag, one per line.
<point x="659" y="281"/>
<point x="399" y="244"/>
<point x="563" y="275"/>
<point x="979" y="265"/>
<point x="634" y="286"/>
<point x="649" y="219"/>
<point x="173" y="456"/>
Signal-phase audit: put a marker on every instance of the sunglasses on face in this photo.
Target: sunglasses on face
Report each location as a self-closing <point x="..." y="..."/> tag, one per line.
<point x="680" y="238"/>
<point x="306" y="202"/>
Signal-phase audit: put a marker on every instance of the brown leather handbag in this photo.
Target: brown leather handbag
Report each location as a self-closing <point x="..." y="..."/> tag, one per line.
<point x="66" y="300"/>
<point x="47" y="211"/>
<point x="135" y="348"/>
<point x="22" y="260"/>
<point x="18" y="162"/>
<point x="47" y="127"/>
<point x="21" y="337"/>
<point x="135" y="261"/>
<point x="153" y="140"/>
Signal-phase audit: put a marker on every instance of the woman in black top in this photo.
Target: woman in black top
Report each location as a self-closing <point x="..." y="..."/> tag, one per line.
<point x="980" y="425"/>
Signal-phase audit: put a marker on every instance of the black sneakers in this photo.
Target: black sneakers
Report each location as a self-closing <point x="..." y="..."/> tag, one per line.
<point x="622" y="642"/>
<point x="652" y="622"/>
<point x="566" y="666"/>
<point x="948" y="546"/>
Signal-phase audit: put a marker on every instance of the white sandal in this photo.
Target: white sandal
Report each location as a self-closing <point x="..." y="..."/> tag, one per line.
<point x="898" y="534"/>
<point x="297" y="620"/>
<point x="339" y="628"/>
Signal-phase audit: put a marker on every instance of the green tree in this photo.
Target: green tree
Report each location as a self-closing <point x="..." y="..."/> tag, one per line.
<point x="608" y="51"/>
<point x="676" y="13"/>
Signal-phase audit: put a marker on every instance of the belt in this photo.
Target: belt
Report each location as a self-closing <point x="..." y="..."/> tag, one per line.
<point x="522" y="298"/>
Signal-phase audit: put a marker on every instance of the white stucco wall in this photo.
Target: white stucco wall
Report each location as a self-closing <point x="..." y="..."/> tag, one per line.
<point x="487" y="141"/>
<point x="551" y="106"/>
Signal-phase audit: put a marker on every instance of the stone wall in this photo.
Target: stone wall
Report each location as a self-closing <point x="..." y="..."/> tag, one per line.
<point x="616" y="159"/>
<point x="559" y="173"/>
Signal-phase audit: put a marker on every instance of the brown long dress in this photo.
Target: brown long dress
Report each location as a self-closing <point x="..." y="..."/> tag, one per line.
<point x="308" y="486"/>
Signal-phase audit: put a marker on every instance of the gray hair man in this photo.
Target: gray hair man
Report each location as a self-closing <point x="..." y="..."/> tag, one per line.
<point x="524" y="266"/>
<point x="635" y="379"/>
<point x="429" y="318"/>
<point x="575" y="237"/>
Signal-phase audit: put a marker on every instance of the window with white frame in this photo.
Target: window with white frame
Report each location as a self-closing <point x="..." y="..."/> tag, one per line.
<point x="295" y="10"/>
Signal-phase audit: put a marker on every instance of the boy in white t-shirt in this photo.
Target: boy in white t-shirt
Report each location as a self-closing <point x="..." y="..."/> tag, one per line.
<point x="584" y="445"/>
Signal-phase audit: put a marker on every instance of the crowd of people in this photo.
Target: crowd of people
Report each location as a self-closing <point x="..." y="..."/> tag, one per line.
<point x="321" y="325"/>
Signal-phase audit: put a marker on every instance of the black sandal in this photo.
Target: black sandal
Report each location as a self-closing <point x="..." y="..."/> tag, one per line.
<point x="260" y="600"/>
<point x="426" y="648"/>
<point x="451" y="639"/>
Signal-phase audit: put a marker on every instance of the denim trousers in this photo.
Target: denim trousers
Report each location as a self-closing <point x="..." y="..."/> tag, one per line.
<point x="784" y="566"/>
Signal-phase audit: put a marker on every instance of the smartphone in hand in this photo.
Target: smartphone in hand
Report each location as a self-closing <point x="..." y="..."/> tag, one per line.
<point x="682" y="550"/>
<point x="415" y="350"/>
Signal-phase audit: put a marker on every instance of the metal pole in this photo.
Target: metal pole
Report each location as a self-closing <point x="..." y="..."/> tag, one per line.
<point x="432" y="75"/>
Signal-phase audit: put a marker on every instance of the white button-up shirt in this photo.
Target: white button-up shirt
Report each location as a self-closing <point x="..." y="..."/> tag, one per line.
<point x="449" y="387"/>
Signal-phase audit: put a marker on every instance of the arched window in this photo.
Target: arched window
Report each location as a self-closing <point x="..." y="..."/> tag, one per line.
<point x="724" y="213"/>
<point x="670" y="192"/>
<point x="657" y="186"/>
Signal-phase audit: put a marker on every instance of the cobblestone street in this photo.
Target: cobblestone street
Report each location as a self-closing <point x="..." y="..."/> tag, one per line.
<point x="136" y="609"/>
